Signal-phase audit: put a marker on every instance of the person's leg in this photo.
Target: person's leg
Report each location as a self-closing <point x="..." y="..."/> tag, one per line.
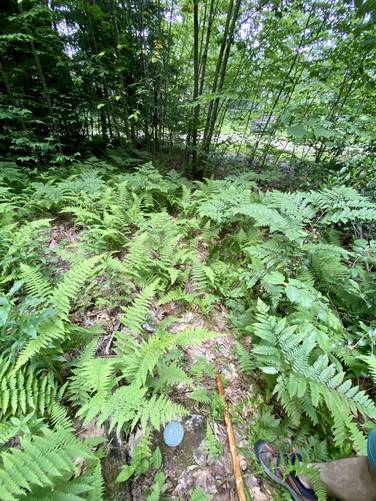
<point x="350" y="479"/>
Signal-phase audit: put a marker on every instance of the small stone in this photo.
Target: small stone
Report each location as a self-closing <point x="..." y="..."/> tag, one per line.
<point x="243" y="464"/>
<point x="252" y="482"/>
<point x="206" y="480"/>
<point x="148" y="327"/>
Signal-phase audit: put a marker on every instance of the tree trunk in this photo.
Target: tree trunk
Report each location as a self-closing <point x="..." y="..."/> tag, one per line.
<point x="196" y="111"/>
<point x="228" y="39"/>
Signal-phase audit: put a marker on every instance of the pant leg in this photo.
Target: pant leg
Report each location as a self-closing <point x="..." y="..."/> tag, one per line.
<point x="350" y="479"/>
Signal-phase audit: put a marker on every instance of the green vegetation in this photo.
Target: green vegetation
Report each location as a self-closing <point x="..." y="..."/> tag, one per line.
<point x="170" y="157"/>
<point x="275" y="259"/>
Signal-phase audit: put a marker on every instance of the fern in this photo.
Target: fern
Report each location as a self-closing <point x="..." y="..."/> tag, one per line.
<point x="187" y="298"/>
<point x="294" y="251"/>
<point x="26" y="390"/>
<point x="170" y="375"/>
<point x="129" y="403"/>
<point x="59" y="299"/>
<point x="202" y="277"/>
<point x="21" y="244"/>
<point x="370" y="360"/>
<point x="266" y="216"/>
<point x="213" y="446"/>
<point x="313" y="474"/>
<point x="36" y="284"/>
<point x="72" y="282"/>
<point x="305" y="381"/>
<point x="245" y="359"/>
<point x="156" y="489"/>
<point x="199" y="495"/>
<point x="140" y="460"/>
<point x="33" y="470"/>
<point x="343" y="204"/>
<point x="135" y="314"/>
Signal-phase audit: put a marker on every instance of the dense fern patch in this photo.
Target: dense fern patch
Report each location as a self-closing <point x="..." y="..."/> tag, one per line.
<point x="296" y="272"/>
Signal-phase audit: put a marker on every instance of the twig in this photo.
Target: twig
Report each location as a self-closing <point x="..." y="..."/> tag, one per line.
<point x="233" y="449"/>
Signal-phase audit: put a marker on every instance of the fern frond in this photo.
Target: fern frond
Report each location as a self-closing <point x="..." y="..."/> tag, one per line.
<point x="370" y="360"/>
<point x="35" y="283"/>
<point x="52" y="326"/>
<point x="38" y="462"/>
<point x="202" y="276"/>
<point x="71" y="283"/>
<point x="156" y="491"/>
<point x="124" y="406"/>
<point x="213" y="446"/>
<point x="26" y="390"/>
<point x="199" y="495"/>
<point x="170" y="375"/>
<point x="135" y="314"/>
<point x="245" y="360"/>
<point x="159" y="411"/>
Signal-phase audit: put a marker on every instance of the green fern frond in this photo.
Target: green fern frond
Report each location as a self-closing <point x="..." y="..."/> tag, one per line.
<point x="170" y="375"/>
<point x="159" y="410"/>
<point x="370" y="360"/>
<point x="38" y="463"/>
<point x="26" y="390"/>
<point x="305" y="382"/>
<point x="71" y="283"/>
<point x="265" y="216"/>
<point x="199" y="495"/>
<point x="134" y="315"/>
<point x="245" y="360"/>
<point x="35" y="283"/>
<point x="194" y="336"/>
<point x="156" y="489"/>
<point x="140" y="458"/>
<point x="202" y="277"/>
<point x="213" y="446"/>
<point x="182" y="296"/>
<point x="52" y="326"/>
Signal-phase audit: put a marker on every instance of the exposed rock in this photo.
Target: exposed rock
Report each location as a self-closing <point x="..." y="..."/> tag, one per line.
<point x="111" y="464"/>
<point x="257" y="488"/>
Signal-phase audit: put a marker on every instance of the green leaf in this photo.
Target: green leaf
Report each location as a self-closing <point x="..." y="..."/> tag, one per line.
<point x="125" y="474"/>
<point x="321" y="132"/>
<point x="199" y="495"/>
<point x="269" y="370"/>
<point x="298" y="131"/>
<point x="156" y="458"/>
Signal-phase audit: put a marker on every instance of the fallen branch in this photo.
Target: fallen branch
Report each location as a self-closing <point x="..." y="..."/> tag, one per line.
<point x="233" y="449"/>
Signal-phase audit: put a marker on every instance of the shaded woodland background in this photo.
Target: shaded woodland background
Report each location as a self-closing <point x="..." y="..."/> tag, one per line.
<point x="292" y="80"/>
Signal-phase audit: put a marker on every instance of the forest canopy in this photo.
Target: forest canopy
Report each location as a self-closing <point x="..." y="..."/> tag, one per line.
<point x="187" y="192"/>
<point x="245" y="75"/>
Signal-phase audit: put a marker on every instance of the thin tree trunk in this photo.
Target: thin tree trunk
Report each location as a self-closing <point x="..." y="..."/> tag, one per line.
<point x="221" y="75"/>
<point x="204" y="57"/>
<point x="196" y="75"/>
<point x="217" y="71"/>
<point x="283" y="85"/>
<point x="121" y="76"/>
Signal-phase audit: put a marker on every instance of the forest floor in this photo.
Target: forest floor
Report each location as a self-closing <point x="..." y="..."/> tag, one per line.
<point x="162" y="284"/>
<point x="190" y="465"/>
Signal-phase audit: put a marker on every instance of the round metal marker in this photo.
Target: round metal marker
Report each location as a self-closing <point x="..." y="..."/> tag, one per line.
<point x="173" y="434"/>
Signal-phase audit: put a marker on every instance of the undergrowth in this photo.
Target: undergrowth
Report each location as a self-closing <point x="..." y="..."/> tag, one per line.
<point x="296" y="272"/>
